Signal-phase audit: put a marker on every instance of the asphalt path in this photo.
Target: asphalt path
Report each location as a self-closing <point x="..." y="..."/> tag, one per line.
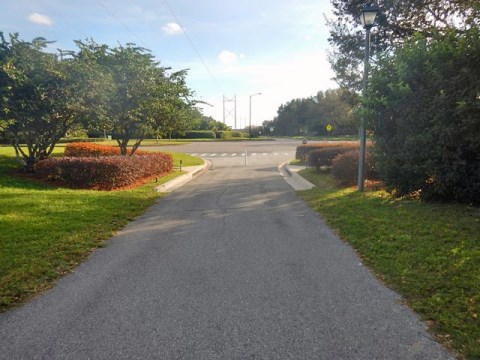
<point x="231" y="266"/>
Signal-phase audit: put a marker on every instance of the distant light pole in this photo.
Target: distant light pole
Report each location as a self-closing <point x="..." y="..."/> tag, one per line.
<point x="250" y="123"/>
<point x="367" y="18"/>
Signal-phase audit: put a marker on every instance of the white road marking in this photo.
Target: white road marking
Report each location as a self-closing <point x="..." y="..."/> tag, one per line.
<point x="275" y="153"/>
<point x="213" y="154"/>
<point x="234" y="154"/>
<point x="264" y="154"/>
<point x="224" y="154"/>
<point x="203" y="155"/>
<point x="254" y="154"/>
<point x="195" y="154"/>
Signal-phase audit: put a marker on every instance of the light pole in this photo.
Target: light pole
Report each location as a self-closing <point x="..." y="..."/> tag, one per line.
<point x="250" y="122"/>
<point x="367" y="18"/>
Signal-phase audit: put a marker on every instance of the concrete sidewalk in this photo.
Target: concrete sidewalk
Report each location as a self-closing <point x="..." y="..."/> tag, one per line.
<point x="191" y="172"/>
<point x="289" y="173"/>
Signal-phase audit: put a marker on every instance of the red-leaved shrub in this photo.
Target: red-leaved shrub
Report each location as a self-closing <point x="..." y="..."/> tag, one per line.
<point x="324" y="156"/>
<point x="303" y="150"/>
<point x="345" y="168"/>
<point x="83" y="149"/>
<point x="104" y="172"/>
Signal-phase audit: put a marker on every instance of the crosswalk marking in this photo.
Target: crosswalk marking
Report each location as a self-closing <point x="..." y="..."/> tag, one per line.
<point x="238" y="154"/>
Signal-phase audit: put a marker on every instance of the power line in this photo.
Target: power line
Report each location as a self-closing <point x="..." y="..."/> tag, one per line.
<point x="123" y="24"/>
<point x="193" y="46"/>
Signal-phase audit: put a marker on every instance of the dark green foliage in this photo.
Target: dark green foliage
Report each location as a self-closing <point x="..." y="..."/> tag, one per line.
<point x="424" y="105"/>
<point x="208" y="123"/>
<point x="345" y="168"/>
<point x="396" y="22"/>
<point x="75" y="140"/>
<point x="200" y="134"/>
<point x="42" y="96"/>
<point x="312" y="115"/>
<point x="229" y="134"/>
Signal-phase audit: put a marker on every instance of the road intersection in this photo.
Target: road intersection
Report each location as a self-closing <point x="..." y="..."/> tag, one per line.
<point x="233" y="265"/>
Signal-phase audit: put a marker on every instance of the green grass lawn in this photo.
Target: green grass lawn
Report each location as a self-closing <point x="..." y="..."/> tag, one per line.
<point x="428" y="252"/>
<point x="46" y="231"/>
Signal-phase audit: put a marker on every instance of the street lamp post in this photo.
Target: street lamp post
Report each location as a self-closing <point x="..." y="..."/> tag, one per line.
<point x="367" y="18"/>
<point x="250" y="121"/>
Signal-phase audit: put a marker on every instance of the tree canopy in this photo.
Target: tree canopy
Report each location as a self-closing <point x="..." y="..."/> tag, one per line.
<point x="122" y="89"/>
<point x="42" y="96"/>
<point x="397" y="21"/>
<point x="312" y="115"/>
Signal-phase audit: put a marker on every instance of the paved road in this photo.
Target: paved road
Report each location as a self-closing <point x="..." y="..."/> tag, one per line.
<point x="231" y="266"/>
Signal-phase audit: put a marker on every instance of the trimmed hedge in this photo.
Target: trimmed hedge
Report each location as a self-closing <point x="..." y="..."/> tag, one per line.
<point x="303" y="150"/>
<point x="345" y="168"/>
<point x="79" y="139"/>
<point x="80" y="149"/>
<point x="229" y="134"/>
<point x="200" y="134"/>
<point x="104" y="172"/>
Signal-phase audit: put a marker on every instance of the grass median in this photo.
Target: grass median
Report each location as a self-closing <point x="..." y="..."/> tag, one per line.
<point x="46" y="231"/>
<point x="428" y="252"/>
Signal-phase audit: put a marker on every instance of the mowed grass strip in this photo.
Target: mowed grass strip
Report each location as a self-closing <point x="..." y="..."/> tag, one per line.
<point x="46" y="231"/>
<point x="428" y="252"/>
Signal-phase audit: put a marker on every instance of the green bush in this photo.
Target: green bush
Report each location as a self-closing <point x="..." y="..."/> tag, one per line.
<point x="199" y="134"/>
<point x="79" y="139"/>
<point x="345" y="168"/>
<point x="229" y="134"/>
<point x="425" y="112"/>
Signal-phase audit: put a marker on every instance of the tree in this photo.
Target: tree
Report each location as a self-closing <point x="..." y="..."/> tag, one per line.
<point x="312" y="115"/>
<point x="42" y="97"/>
<point x="397" y="21"/>
<point x="173" y="109"/>
<point x="135" y="78"/>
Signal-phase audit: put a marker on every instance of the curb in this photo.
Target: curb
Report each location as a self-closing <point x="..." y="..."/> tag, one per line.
<point x="296" y="181"/>
<point x="192" y="171"/>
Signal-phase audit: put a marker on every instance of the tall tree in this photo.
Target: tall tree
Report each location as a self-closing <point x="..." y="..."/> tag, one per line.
<point x="312" y="115"/>
<point x="173" y="109"/>
<point x="397" y="21"/>
<point x="135" y="77"/>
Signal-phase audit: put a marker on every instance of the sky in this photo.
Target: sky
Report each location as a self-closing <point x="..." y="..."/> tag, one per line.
<point x="231" y="48"/>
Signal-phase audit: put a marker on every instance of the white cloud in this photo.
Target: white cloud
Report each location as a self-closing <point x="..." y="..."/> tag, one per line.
<point x="227" y="57"/>
<point x="40" y="19"/>
<point x="172" y="29"/>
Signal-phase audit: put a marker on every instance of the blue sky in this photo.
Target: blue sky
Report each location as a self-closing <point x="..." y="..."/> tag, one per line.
<point x="278" y="48"/>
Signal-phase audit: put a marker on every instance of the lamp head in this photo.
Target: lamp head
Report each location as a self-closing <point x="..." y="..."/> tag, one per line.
<point x="368" y="15"/>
